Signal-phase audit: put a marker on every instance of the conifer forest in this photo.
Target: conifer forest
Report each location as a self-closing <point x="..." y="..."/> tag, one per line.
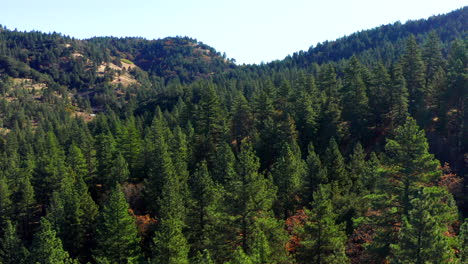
<point x="128" y="150"/>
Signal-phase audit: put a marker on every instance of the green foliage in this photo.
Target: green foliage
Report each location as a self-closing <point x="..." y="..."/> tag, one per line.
<point x="206" y="208"/>
<point x="47" y="248"/>
<point x="463" y="242"/>
<point x="208" y="150"/>
<point x="323" y="240"/>
<point x="316" y="174"/>
<point x="116" y="234"/>
<point x="12" y="250"/>
<point x="409" y="162"/>
<point x="288" y="174"/>
<point x="254" y="194"/>
<point x="336" y="167"/>
<point x="413" y="70"/>
<point x="422" y="238"/>
<point x="5" y="202"/>
<point x="170" y="244"/>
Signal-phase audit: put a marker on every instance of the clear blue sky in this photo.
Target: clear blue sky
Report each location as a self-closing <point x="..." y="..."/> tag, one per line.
<point x="250" y="31"/>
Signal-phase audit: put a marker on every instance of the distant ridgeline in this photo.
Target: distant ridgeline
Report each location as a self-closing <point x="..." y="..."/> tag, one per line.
<point x="127" y="150"/>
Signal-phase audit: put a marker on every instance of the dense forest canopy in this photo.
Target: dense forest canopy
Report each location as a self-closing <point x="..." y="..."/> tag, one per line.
<point x="127" y="150"/>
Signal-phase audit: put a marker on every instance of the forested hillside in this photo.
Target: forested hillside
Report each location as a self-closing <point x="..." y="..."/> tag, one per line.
<point x="127" y="150"/>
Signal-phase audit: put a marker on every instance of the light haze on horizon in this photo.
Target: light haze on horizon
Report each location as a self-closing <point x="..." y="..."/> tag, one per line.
<point x="248" y="31"/>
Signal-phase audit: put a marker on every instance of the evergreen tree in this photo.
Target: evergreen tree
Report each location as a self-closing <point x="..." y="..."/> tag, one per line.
<point x="288" y="174"/>
<point x="330" y="117"/>
<point x="205" y="209"/>
<point x="398" y="97"/>
<point x="463" y="241"/>
<point x="413" y="70"/>
<point x="254" y="194"/>
<point x="432" y="56"/>
<point x="380" y="96"/>
<point x="159" y="163"/>
<point x="357" y="168"/>
<point x="223" y="170"/>
<point x="72" y="213"/>
<point x="50" y="168"/>
<point x="306" y="116"/>
<point x="130" y="146"/>
<point x="267" y="244"/>
<point x="170" y="243"/>
<point x="454" y="110"/>
<point x="5" y="203"/>
<point x="355" y="99"/>
<point x="77" y="163"/>
<point x="24" y="200"/>
<point x="210" y="122"/>
<point x="324" y="240"/>
<point x="422" y="238"/>
<point x="105" y="156"/>
<point x="12" y="250"/>
<point x="47" y="248"/>
<point x="336" y="167"/>
<point x="119" y="172"/>
<point x="316" y="174"/>
<point x="410" y="164"/>
<point x="203" y="257"/>
<point x="242" y="120"/>
<point x="240" y="257"/>
<point x="116" y="235"/>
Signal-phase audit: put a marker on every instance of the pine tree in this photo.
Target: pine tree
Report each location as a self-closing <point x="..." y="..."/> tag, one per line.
<point x="254" y="194"/>
<point x="223" y="170"/>
<point x="159" y="164"/>
<point x="5" y="203"/>
<point x="456" y="96"/>
<point x="288" y="174"/>
<point x="116" y="235"/>
<point x="205" y="209"/>
<point x="12" y="250"/>
<point x="410" y="164"/>
<point x="105" y="156"/>
<point x="432" y="56"/>
<point x="242" y="120"/>
<point x="267" y="244"/>
<point x="330" y="117"/>
<point x="180" y="158"/>
<point x="171" y="246"/>
<point x="380" y="96"/>
<point x="50" y="168"/>
<point x="357" y="168"/>
<point x="210" y="124"/>
<point x="203" y="257"/>
<point x="77" y="163"/>
<point x="119" y="172"/>
<point x="72" y="213"/>
<point x="398" y="97"/>
<point x="316" y="174"/>
<point x="422" y="238"/>
<point x="130" y="145"/>
<point x="24" y="201"/>
<point x="323" y="240"/>
<point x="240" y="257"/>
<point x="463" y="241"/>
<point x="413" y="70"/>
<point x="336" y="167"/>
<point x="47" y="248"/>
<point x="355" y="99"/>
<point x="306" y="115"/>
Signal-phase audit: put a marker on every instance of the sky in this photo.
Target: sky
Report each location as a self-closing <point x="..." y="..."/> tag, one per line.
<point x="250" y="31"/>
